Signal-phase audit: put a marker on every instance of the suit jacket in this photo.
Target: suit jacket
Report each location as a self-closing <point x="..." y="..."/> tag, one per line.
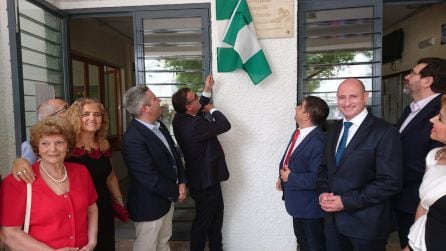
<point x="301" y="199"/>
<point x="203" y="154"/>
<point x="368" y="175"/>
<point x="153" y="176"/>
<point x="416" y="144"/>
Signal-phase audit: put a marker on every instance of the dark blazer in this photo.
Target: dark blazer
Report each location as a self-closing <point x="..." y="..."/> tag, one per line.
<point x="369" y="173"/>
<point x="203" y="154"/>
<point x="301" y="199"/>
<point x="416" y="144"/>
<point x="153" y="176"/>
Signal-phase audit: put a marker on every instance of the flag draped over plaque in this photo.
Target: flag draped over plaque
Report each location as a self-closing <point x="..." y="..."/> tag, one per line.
<point x="240" y="48"/>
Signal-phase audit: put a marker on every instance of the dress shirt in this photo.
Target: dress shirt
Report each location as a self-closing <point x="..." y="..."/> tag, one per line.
<point x="28" y="153"/>
<point x="357" y="121"/>
<point x="415" y="108"/>
<point x="155" y="128"/>
<point x="302" y="134"/>
<point x="206" y="94"/>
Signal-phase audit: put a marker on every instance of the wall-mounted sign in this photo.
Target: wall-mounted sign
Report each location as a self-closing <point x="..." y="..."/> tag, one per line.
<point x="272" y="18"/>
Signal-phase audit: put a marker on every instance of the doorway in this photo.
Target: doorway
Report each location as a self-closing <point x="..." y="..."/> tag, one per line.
<point x="165" y="50"/>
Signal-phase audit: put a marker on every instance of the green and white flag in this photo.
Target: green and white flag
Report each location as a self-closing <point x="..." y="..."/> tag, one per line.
<point x="240" y="48"/>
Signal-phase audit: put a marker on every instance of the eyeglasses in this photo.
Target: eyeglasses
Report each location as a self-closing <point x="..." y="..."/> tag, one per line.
<point x="64" y="109"/>
<point x="191" y="101"/>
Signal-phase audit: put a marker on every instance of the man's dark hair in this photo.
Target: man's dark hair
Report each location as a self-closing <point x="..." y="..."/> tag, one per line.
<point x="179" y="100"/>
<point x="318" y="110"/>
<point x="435" y="68"/>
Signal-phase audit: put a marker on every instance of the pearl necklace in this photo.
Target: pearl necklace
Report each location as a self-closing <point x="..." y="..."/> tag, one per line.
<point x="51" y="177"/>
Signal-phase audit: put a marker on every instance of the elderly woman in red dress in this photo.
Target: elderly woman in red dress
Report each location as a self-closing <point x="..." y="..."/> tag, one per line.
<point x="64" y="215"/>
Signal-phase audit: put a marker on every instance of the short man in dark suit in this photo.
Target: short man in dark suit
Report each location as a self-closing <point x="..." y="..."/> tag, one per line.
<point x="298" y="173"/>
<point x="361" y="171"/>
<point x="425" y="82"/>
<point x="205" y="162"/>
<point x="157" y="177"/>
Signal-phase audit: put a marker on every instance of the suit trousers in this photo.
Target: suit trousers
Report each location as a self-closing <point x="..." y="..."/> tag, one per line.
<point x="405" y="221"/>
<point x="339" y="242"/>
<point x="208" y="219"/>
<point x="309" y="234"/>
<point x="154" y="235"/>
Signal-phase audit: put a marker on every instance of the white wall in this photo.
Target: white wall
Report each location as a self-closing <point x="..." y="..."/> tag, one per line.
<point x="262" y="121"/>
<point x="423" y="25"/>
<point x="7" y="138"/>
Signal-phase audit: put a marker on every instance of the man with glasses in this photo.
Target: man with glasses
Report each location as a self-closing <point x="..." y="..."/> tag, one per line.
<point x="424" y="84"/>
<point x="205" y="162"/>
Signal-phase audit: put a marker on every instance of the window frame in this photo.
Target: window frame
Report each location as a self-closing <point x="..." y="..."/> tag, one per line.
<point x="305" y="6"/>
<point x="17" y="62"/>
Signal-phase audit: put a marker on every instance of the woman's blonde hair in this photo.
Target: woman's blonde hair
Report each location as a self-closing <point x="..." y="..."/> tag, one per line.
<point x="74" y="115"/>
<point x="52" y="126"/>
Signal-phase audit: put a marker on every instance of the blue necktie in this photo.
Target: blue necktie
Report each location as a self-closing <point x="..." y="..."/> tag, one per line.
<point x="343" y="142"/>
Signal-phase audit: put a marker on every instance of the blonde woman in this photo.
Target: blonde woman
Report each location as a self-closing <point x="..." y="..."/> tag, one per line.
<point x="429" y="229"/>
<point x="90" y="122"/>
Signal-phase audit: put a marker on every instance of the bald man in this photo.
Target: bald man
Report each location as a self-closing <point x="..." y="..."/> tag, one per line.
<point x="360" y="172"/>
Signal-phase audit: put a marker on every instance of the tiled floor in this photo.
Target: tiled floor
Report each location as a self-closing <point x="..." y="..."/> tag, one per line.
<point x="125" y="236"/>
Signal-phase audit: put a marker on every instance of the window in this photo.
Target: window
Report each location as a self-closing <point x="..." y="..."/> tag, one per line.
<point x="341" y="40"/>
<point x="173" y="52"/>
<point x="38" y="55"/>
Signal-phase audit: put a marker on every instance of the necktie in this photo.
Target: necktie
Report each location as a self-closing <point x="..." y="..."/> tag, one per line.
<point x="290" y="149"/>
<point x="343" y="142"/>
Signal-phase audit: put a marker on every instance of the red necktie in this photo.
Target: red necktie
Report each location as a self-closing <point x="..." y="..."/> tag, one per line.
<point x="290" y="149"/>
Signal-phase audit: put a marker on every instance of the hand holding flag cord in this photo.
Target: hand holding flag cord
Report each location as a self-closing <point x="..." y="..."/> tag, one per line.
<point x="240" y="48"/>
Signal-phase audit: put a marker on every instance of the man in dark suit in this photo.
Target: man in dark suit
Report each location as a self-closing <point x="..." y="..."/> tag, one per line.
<point x="361" y="171"/>
<point x="205" y="162"/>
<point x="156" y="172"/>
<point x="425" y="82"/>
<point x="298" y="173"/>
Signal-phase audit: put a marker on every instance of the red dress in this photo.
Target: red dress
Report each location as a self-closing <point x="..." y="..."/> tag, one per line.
<point x="56" y="220"/>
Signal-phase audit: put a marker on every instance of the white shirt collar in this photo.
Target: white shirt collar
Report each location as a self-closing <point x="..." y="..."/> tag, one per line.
<point x="155" y="124"/>
<point x="357" y="120"/>
<point x="422" y="103"/>
<point x="305" y="131"/>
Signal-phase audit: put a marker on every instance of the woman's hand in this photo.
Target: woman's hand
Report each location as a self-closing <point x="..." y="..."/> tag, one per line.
<point x="22" y="170"/>
<point x="88" y="247"/>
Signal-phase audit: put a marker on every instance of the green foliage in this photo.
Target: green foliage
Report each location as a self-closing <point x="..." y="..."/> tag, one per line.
<point x="190" y="74"/>
<point x="326" y="65"/>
